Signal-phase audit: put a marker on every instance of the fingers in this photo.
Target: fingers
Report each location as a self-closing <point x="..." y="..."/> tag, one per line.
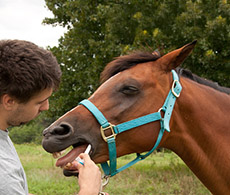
<point x="86" y="158"/>
<point x="88" y="163"/>
<point x="89" y="178"/>
<point x="76" y="165"/>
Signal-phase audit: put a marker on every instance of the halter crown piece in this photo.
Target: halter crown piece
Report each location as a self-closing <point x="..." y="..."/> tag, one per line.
<point x="111" y="168"/>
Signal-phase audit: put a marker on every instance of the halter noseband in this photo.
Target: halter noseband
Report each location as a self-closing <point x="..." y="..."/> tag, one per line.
<point x="167" y="108"/>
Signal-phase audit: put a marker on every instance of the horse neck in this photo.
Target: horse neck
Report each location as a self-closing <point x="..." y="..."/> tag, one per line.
<point x="200" y="134"/>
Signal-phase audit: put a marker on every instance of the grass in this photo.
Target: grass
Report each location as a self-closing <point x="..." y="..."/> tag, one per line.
<point x="160" y="174"/>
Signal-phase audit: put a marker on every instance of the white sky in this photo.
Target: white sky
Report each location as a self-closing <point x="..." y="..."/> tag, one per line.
<point x="22" y="19"/>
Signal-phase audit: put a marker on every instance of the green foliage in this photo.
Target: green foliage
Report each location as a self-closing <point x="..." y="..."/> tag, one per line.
<point x="160" y="173"/>
<point x="26" y="134"/>
<point x="99" y="30"/>
<point x="29" y="133"/>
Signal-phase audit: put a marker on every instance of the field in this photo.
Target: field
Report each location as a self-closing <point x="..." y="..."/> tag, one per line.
<point x="162" y="173"/>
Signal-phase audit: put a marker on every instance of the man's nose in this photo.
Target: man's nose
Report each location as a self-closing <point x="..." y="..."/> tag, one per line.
<point x="45" y="106"/>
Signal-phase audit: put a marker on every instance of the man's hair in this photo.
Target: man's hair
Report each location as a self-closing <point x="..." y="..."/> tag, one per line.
<point x="26" y="69"/>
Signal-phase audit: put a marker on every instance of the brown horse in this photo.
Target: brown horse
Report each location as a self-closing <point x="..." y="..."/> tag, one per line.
<point x="137" y="85"/>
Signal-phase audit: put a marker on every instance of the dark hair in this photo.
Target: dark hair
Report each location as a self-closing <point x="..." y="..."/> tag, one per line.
<point x="122" y="63"/>
<point x="26" y="69"/>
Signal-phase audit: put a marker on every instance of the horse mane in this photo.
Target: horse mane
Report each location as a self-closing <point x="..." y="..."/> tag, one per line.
<point x="125" y="62"/>
<point x="188" y="74"/>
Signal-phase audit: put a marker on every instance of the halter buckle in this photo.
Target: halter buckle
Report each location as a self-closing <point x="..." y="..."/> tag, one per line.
<point x="110" y="127"/>
<point x="173" y="88"/>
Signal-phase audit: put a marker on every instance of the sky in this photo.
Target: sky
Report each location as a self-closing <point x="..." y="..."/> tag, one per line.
<point x="22" y="19"/>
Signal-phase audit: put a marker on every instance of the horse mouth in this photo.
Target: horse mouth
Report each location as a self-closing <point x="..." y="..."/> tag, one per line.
<point x="63" y="161"/>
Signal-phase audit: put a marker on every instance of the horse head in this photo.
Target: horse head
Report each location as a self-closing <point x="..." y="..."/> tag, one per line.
<point x="134" y="110"/>
<point x="132" y="86"/>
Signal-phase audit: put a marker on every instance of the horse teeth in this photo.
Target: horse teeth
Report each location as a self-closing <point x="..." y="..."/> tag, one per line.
<point x="68" y="165"/>
<point x="56" y="154"/>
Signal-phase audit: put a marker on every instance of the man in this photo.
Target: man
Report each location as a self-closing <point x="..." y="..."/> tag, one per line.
<point x="28" y="76"/>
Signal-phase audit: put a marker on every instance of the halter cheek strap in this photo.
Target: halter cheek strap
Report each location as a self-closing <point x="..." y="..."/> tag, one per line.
<point x="167" y="108"/>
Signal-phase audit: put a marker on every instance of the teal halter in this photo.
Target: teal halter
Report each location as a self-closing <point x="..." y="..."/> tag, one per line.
<point x="167" y="108"/>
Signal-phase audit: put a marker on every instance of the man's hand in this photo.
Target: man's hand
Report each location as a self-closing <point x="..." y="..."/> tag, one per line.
<point x="89" y="178"/>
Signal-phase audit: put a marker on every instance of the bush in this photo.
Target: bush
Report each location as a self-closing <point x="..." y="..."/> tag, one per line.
<point x="29" y="133"/>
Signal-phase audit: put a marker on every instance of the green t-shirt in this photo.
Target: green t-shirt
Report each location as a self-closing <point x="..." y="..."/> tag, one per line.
<point x="12" y="175"/>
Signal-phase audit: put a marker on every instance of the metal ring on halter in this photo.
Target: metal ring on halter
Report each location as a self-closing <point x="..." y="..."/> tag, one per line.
<point x="160" y="111"/>
<point x="104" y="180"/>
<point x="102" y="193"/>
<point x="113" y="134"/>
<point x="173" y="88"/>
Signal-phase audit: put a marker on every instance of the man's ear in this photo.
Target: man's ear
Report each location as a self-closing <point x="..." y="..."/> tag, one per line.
<point x="8" y="102"/>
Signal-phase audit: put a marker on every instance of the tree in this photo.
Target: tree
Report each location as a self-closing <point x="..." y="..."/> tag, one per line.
<point x="99" y="30"/>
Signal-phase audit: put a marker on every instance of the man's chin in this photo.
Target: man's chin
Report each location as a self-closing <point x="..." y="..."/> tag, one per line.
<point x="23" y="123"/>
<point x="18" y="125"/>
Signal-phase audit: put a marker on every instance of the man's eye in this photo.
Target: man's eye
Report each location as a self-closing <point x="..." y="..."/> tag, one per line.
<point x="40" y="103"/>
<point x="129" y="90"/>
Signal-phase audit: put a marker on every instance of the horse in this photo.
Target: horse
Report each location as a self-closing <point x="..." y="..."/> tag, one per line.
<point x="145" y="102"/>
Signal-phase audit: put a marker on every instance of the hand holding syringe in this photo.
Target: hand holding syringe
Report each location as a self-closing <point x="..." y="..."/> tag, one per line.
<point x="78" y="159"/>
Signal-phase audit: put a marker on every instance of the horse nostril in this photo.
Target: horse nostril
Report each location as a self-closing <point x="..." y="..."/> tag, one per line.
<point x="63" y="129"/>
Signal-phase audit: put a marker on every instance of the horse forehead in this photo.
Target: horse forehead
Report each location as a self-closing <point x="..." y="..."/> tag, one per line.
<point x="143" y="67"/>
<point x="146" y="72"/>
<point x="139" y="72"/>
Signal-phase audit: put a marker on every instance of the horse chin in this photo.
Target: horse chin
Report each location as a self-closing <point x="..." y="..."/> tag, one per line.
<point x="69" y="173"/>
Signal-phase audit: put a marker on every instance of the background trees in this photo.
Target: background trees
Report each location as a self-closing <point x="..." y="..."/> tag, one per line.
<point x="99" y="30"/>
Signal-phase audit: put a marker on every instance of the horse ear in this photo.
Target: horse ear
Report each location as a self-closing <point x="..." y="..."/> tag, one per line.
<point x="175" y="58"/>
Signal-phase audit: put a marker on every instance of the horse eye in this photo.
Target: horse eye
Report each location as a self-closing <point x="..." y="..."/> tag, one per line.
<point x="129" y="90"/>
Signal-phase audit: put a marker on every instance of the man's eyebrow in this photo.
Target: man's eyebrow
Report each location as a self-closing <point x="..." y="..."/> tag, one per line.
<point x="44" y="100"/>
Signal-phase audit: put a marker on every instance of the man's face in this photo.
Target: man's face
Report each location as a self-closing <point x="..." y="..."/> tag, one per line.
<point x="25" y="112"/>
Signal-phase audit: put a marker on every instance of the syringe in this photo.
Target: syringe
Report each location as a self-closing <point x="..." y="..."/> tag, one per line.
<point x="78" y="159"/>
